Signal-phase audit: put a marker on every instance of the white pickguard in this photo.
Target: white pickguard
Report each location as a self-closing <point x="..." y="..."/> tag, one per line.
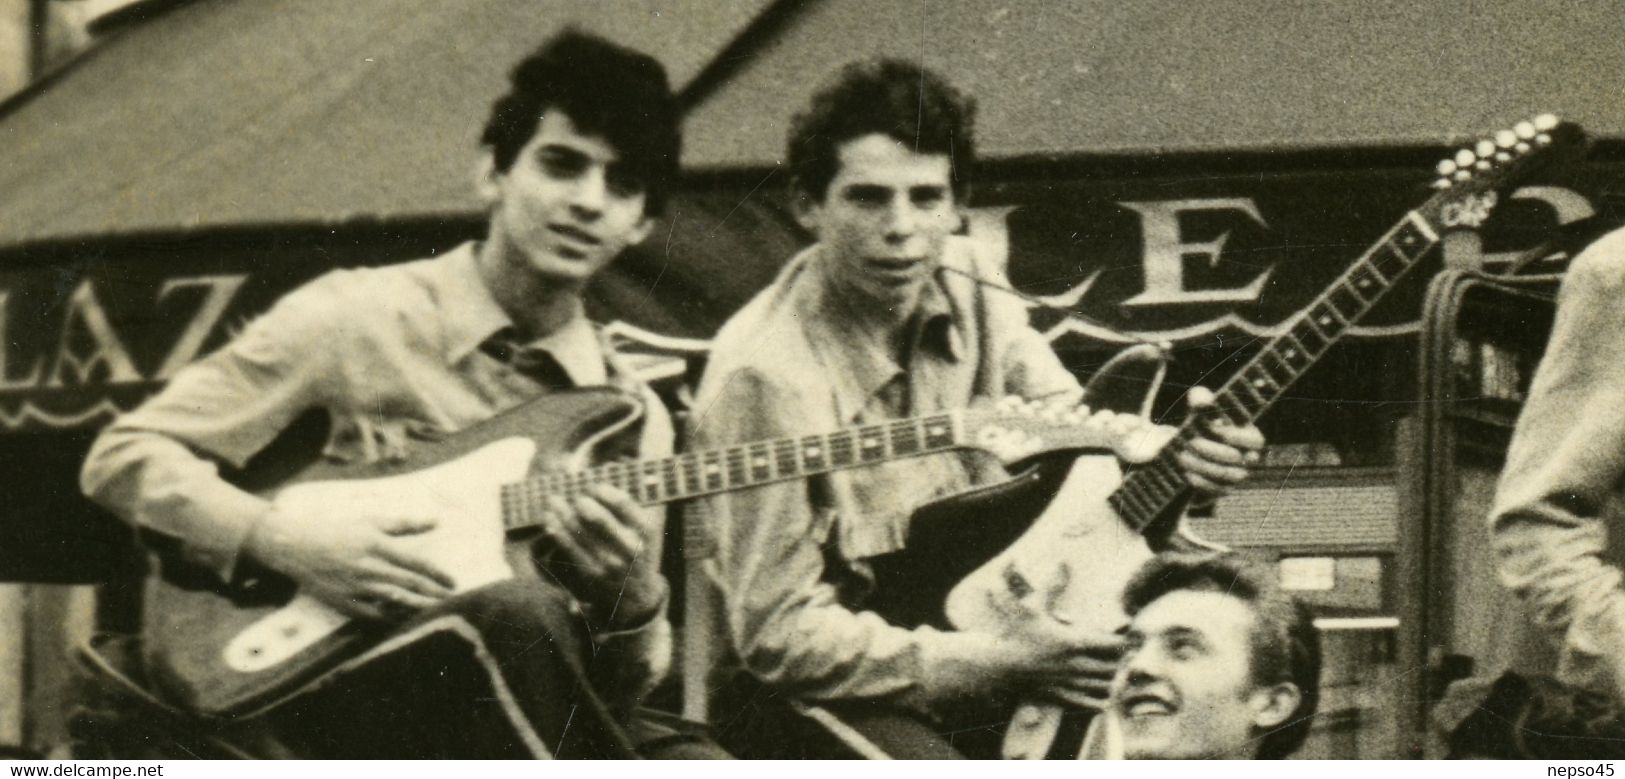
<point x="464" y="497"/>
<point x="1075" y="558"/>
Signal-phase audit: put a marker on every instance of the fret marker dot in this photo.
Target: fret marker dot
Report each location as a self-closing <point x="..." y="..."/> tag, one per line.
<point x="711" y="470"/>
<point x="812" y="451"/>
<point x="870" y="443"/>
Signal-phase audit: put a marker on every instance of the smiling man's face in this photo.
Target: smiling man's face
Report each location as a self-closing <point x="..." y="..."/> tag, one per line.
<point x="568" y="204"/>
<point x="1185" y="688"/>
<point x="884" y="219"/>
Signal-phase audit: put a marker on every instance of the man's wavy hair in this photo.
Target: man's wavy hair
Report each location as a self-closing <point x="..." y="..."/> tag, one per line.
<point x="899" y="99"/>
<point x="608" y="91"/>
<point x="1285" y="644"/>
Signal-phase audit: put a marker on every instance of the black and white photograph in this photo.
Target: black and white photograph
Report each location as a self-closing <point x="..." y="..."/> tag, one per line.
<point x="812" y="380"/>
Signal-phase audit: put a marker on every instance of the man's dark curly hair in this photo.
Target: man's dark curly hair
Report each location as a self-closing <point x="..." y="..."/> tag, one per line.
<point x="608" y="91"/>
<point x="896" y="98"/>
<point x="1285" y="643"/>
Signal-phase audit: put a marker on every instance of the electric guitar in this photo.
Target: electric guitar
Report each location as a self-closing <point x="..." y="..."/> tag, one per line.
<point x="1076" y="555"/>
<point x="231" y="650"/>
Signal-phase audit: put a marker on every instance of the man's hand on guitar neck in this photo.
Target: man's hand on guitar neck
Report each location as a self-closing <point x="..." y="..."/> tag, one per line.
<point x="363" y="567"/>
<point x="599" y="552"/>
<point x="1219" y="458"/>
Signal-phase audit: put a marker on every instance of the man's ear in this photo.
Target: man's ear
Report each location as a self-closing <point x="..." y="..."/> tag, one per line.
<point x="1272" y="705"/>
<point x="487" y="179"/>
<point x="807" y="209"/>
<point x="645" y="225"/>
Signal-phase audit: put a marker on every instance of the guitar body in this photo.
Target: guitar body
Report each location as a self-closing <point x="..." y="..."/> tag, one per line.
<point x="1044" y="545"/>
<point x="950" y="538"/>
<point x="225" y="651"/>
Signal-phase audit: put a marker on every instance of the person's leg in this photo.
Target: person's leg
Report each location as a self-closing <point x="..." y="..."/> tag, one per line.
<point x="755" y="722"/>
<point x="662" y="735"/>
<point x="496" y="672"/>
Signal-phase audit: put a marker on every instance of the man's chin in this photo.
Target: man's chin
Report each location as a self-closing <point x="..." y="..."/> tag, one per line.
<point x="891" y="293"/>
<point x="1149" y="739"/>
<point x="565" y="269"/>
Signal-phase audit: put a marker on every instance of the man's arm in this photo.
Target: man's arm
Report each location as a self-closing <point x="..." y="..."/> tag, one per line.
<point x="614" y="549"/>
<point x="156" y="466"/>
<point x="1563" y="469"/>
<point x="788" y="624"/>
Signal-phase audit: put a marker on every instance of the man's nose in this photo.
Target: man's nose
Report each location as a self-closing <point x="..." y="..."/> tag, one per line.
<point x="589" y="195"/>
<point x="1137" y="677"/>
<point x="902" y="220"/>
<point x="1141" y="667"/>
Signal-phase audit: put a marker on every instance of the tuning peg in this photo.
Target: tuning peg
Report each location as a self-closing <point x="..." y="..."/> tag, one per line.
<point x="1465" y="157"/>
<point x="1441" y="183"/>
<point x="1482" y="165"/>
<point x="1545" y="122"/>
<point x="1543" y="140"/>
<point x="1521" y="148"/>
<point x="1446" y="167"/>
<point x="1503" y="157"/>
<point x="1506" y="139"/>
<point x="1462" y="175"/>
<point x="1525" y="130"/>
<point x="1484" y="149"/>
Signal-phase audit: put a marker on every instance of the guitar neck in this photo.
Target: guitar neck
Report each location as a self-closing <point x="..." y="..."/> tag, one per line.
<point x="1155" y="488"/>
<point x="694" y="474"/>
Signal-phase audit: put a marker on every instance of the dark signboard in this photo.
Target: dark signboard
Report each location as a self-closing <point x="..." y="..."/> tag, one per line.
<point x="1211" y="264"/>
<point x="1207" y="264"/>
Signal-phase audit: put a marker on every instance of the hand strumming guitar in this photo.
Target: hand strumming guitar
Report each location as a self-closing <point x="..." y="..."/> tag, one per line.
<point x="370" y="566"/>
<point x="364" y="567"/>
<point x="1037" y="658"/>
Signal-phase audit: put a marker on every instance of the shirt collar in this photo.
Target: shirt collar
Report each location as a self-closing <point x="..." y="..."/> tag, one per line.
<point x="476" y="316"/>
<point x="472" y="314"/>
<point x="858" y="367"/>
<point x="577" y="348"/>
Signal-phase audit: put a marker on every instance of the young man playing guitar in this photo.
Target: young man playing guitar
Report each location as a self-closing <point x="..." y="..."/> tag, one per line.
<point x="578" y="158"/>
<point x="862" y="327"/>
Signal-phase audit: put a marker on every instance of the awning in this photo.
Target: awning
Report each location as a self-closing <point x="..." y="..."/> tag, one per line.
<point x="1090" y="76"/>
<point x="270" y="112"/>
<point x="241" y="112"/>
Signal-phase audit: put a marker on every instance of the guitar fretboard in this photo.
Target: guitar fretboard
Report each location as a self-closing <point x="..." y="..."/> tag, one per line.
<point x="694" y="474"/>
<point x="1154" y="488"/>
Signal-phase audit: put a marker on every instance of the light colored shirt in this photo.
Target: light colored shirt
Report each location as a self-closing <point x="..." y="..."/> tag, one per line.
<point x="791" y="556"/>
<point x="1557" y="517"/>
<point x="392" y="354"/>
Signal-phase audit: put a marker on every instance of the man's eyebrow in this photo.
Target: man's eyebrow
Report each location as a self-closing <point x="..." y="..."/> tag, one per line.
<point x="562" y="150"/>
<point x="1184" y="631"/>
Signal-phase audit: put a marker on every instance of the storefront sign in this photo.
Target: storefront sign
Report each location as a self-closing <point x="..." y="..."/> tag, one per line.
<point x="1099" y="265"/>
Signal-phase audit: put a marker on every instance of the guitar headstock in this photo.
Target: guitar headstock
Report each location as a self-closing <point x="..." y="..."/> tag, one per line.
<point x="1473" y="181"/>
<point x="1014" y="429"/>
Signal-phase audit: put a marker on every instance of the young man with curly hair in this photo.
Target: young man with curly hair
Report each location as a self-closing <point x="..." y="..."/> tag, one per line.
<point x="872" y="323"/>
